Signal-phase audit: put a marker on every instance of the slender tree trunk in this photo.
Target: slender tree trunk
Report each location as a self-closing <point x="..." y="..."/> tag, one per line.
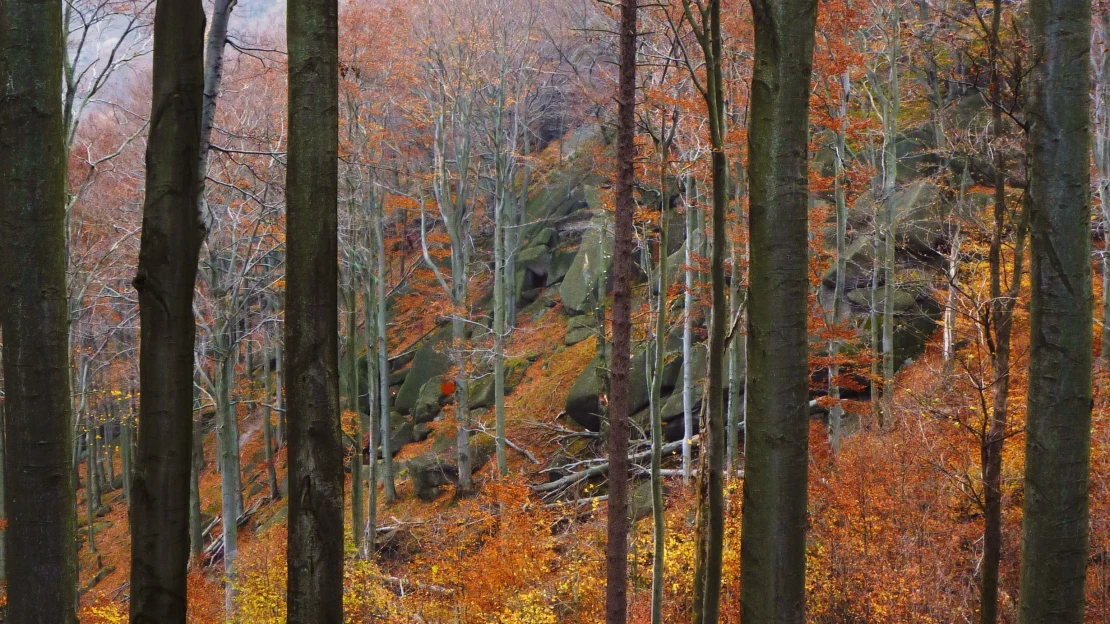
<point x="268" y="431"/>
<point x="837" y="411"/>
<point x="381" y="327"/>
<point x="616" y="550"/>
<point x="358" y="503"/>
<point x="279" y="393"/>
<point x="375" y="397"/>
<point x="196" y="531"/>
<point x="171" y="237"/>
<point x="891" y="106"/>
<point x="736" y="371"/>
<point x="92" y="485"/>
<point x="315" y="586"/>
<point x="229" y="482"/>
<point x="711" y="506"/>
<point x="213" y="73"/>
<point x="1101" y="151"/>
<point x="772" y="554"/>
<point x="1002" y="307"/>
<point x="125" y="461"/>
<point x="1058" y="428"/>
<point x="688" y="341"/>
<point x="499" y="278"/>
<point x="659" y="527"/>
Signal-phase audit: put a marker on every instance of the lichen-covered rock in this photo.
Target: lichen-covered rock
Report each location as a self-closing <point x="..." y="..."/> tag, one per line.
<point x="440" y="467"/>
<point x="591" y="263"/>
<point x="579" y="328"/>
<point x="431" y="359"/>
<point x="583" y="404"/>
<point x="430" y="401"/>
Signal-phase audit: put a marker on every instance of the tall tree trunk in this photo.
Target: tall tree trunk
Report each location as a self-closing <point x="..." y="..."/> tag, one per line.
<point x="616" y="550"/>
<point x="890" y="107"/>
<point x="196" y="531"/>
<point x="659" y="527"/>
<point x="213" y="73"/>
<point x="688" y="337"/>
<point x="3" y="511"/>
<point x="711" y="505"/>
<point x="92" y="485"/>
<point x="125" y="460"/>
<point x="268" y="430"/>
<point x="1101" y="151"/>
<point x="315" y="586"/>
<point x="358" y="503"/>
<point x="1058" y="427"/>
<point x="280" y="433"/>
<point x="1002" y="314"/>
<point x="228" y="449"/>
<point x="171" y="237"/>
<point x="772" y="553"/>
<point x="836" y="411"/>
<point x="38" y="471"/>
<point x="500" y="233"/>
<point x="380" y="329"/>
<point x="375" y="398"/>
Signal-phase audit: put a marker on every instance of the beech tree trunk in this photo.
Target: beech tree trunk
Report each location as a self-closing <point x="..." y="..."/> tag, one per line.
<point x="772" y="552"/>
<point x="171" y="237"/>
<point x="1058" y="428"/>
<point x="39" y="489"/>
<point x="616" y="551"/>
<point x="380" y="327"/>
<point x="710" y="488"/>
<point x="315" y="586"/>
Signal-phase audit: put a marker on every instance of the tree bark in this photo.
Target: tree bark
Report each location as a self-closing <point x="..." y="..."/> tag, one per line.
<point x="1058" y="428"/>
<point x="39" y="488"/>
<point x="616" y="550"/>
<point x="659" y="527"/>
<point x="711" y="506"/>
<point x="171" y="237"/>
<point x="777" y="427"/>
<point x="315" y="586"/>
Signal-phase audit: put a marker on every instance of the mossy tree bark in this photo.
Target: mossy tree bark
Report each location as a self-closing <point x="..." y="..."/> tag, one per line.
<point x="171" y="237"/>
<point x="315" y="585"/>
<point x="1058" y="429"/>
<point x="777" y="429"/>
<point x="616" y="551"/>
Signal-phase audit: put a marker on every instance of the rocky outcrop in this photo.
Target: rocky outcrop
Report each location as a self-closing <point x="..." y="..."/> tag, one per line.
<point x="430" y="360"/>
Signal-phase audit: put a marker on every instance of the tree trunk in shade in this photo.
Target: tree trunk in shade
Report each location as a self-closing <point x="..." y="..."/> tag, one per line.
<point x="1058" y="427"/>
<point x="616" y="551"/>
<point x="171" y="237"/>
<point x="315" y="546"/>
<point x="777" y="430"/>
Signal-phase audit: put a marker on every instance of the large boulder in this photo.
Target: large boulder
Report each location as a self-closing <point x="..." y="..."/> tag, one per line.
<point x="591" y="263"/>
<point x="430" y="401"/>
<point x="440" y="465"/>
<point x="579" y="328"/>
<point x="431" y="359"/>
<point x="583" y="405"/>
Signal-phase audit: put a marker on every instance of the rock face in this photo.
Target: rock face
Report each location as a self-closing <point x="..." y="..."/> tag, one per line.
<point x="919" y="231"/>
<point x="579" y="328"/>
<point x="430" y="360"/>
<point x="440" y="465"/>
<point x="591" y="263"/>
